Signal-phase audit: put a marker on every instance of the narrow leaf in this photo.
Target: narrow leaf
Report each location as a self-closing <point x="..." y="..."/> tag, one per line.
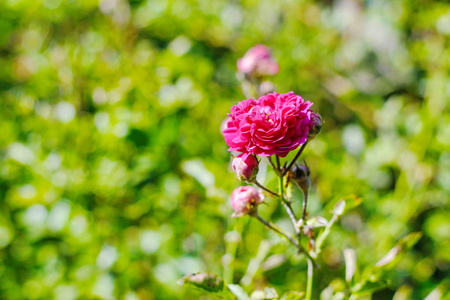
<point x="206" y="281"/>
<point x="389" y="257"/>
<point x="350" y="264"/>
<point x="293" y="295"/>
<point x="403" y="245"/>
<point x="317" y="222"/>
<point x="339" y="208"/>
<point x="266" y="294"/>
<point x="369" y="287"/>
<point x="238" y="292"/>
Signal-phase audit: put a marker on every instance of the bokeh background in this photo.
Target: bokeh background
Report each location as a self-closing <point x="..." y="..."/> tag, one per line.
<point x="114" y="176"/>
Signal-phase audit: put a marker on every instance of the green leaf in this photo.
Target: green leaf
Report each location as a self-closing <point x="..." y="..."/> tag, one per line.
<point x="339" y="208"/>
<point x="293" y="295"/>
<point x="351" y="201"/>
<point x="350" y="264"/>
<point x="206" y="281"/>
<point x="368" y="287"/>
<point x="317" y="222"/>
<point x="345" y="204"/>
<point x="403" y="245"/>
<point x="410" y="240"/>
<point x="267" y="293"/>
<point x="238" y="292"/>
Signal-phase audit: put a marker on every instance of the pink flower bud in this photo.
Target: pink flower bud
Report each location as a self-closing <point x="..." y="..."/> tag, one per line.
<point x="246" y="167"/>
<point x="245" y="200"/>
<point x="258" y="61"/>
<point x="315" y="125"/>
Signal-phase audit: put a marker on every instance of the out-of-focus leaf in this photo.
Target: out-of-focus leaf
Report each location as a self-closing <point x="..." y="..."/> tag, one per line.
<point x="410" y="240"/>
<point x="334" y="290"/>
<point x="267" y="293"/>
<point x="293" y="295"/>
<point x="346" y="204"/>
<point x="317" y="222"/>
<point x="206" y="281"/>
<point x="368" y="287"/>
<point x="403" y="245"/>
<point x="339" y="208"/>
<point x="389" y="257"/>
<point x="238" y="291"/>
<point x="350" y="264"/>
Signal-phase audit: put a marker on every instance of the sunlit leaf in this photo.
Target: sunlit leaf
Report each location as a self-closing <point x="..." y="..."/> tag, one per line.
<point x="339" y="208"/>
<point x="267" y="293"/>
<point x="368" y="287"/>
<point x="205" y="281"/>
<point x="350" y="264"/>
<point x="403" y="245"/>
<point x="293" y="295"/>
<point x="238" y="291"/>
<point x="317" y="222"/>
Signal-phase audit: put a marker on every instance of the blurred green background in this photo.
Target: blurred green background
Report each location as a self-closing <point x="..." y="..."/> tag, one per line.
<point x="115" y="178"/>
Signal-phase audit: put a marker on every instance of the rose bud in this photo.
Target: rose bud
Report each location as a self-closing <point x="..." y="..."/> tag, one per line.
<point x="315" y="125"/>
<point x="245" y="200"/>
<point x="246" y="167"/>
<point x="300" y="175"/>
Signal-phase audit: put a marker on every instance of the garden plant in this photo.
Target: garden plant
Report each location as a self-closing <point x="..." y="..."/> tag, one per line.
<point x="270" y="128"/>
<point x="116" y="117"/>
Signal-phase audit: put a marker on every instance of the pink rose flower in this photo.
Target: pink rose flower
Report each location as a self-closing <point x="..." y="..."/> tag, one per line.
<point x="246" y="167"/>
<point x="273" y="124"/>
<point x="258" y="61"/>
<point x="245" y="200"/>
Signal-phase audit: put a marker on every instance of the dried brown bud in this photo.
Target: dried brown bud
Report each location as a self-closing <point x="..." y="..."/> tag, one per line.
<point x="300" y="175"/>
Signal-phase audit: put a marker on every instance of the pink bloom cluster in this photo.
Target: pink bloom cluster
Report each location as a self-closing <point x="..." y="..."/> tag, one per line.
<point x="258" y="61"/>
<point x="245" y="199"/>
<point x="273" y="124"/>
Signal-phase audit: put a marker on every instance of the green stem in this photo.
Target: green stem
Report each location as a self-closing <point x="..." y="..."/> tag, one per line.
<point x="281" y="188"/>
<point x="309" y="283"/>
<point x="304" y="203"/>
<point x="288" y="207"/>
<point x="295" y="158"/>
<point x="289" y="238"/>
<point x="271" y="163"/>
<point x="290" y="211"/>
<point x="266" y="189"/>
<point x="277" y="230"/>
<point x="278" y="164"/>
<point x="324" y="235"/>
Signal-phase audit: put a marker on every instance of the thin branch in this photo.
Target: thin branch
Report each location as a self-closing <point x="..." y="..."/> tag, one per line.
<point x="279" y="165"/>
<point x="295" y="158"/>
<point x="304" y="203"/>
<point x="293" y="242"/>
<point x="271" y="163"/>
<point x="323" y="235"/>
<point x="266" y="189"/>
<point x="290" y="211"/>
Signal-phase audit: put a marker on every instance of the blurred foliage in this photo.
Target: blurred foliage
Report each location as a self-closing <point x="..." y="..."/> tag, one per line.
<point x="114" y="175"/>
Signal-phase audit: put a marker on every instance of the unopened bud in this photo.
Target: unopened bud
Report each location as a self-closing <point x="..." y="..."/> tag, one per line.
<point x="246" y="167"/>
<point x="315" y="126"/>
<point x="300" y="175"/>
<point x="245" y="200"/>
